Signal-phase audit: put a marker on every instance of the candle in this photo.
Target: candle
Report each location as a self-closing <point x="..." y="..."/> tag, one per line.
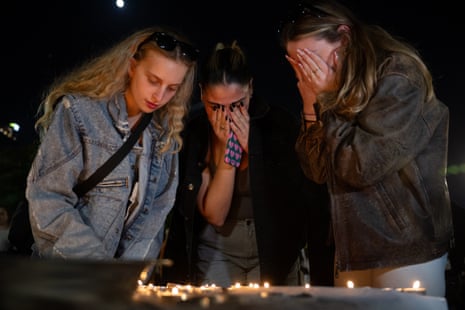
<point x="415" y="289"/>
<point x="419" y="290"/>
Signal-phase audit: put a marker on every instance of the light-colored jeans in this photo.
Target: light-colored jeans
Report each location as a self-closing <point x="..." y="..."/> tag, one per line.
<point x="229" y="254"/>
<point x="431" y="275"/>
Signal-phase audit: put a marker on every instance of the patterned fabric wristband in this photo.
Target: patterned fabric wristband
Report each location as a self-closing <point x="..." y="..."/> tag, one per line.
<point x="233" y="153"/>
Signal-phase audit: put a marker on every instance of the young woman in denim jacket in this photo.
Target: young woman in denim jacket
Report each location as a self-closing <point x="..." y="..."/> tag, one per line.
<point x="87" y="115"/>
<point x="248" y="222"/>
<point x="375" y="133"/>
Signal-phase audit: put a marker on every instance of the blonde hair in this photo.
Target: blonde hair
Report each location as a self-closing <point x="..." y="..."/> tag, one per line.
<point x="368" y="47"/>
<point x="106" y="76"/>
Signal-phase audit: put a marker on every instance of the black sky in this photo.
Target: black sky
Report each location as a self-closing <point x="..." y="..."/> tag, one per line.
<point x="43" y="39"/>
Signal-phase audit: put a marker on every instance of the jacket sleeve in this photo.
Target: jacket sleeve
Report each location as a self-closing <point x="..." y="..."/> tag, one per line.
<point x="311" y="153"/>
<point x="387" y="134"/>
<point x="58" y="229"/>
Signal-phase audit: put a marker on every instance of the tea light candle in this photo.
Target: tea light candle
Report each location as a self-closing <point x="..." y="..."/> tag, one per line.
<point x="415" y="289"/>
<point x="350" y="284"/>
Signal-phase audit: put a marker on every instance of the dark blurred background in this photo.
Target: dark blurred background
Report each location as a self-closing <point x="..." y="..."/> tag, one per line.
<point x="43" y="39"/>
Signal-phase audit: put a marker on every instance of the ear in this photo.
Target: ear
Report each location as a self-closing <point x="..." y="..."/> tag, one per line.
<point x="344" y="28"/>
<point x="344" y="31"/>
<point x="132" y="65"/>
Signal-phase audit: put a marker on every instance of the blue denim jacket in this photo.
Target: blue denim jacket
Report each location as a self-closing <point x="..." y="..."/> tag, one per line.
<point x="82" y="136"/>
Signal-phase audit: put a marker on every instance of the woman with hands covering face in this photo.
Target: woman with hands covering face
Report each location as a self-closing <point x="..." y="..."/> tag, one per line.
<point x="226" y="107"/>
<point x="241" y="210"/>
<point x="375" y="133"/>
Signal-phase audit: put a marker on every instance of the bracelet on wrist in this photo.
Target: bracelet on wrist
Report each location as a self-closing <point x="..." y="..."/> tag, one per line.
<point x="308" y="114"/>
<point x="309" y="117"/>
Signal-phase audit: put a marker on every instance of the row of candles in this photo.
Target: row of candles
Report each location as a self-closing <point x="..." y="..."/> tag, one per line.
<point x="184" y="291"/>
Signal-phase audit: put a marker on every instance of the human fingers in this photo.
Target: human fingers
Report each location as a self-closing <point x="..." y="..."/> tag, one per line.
<point x="240" y="125"/>
<point x="295" y="65"/>
<point x="220" y="123"/>
<point x="307" y="63"/>
<point x="319" y="71"/>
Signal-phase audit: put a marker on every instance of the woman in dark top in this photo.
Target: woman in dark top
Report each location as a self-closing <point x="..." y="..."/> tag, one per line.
<point x="242" y="218"/>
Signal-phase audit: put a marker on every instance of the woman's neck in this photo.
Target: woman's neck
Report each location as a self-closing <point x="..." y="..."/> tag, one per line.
<point x="133" y="119"/>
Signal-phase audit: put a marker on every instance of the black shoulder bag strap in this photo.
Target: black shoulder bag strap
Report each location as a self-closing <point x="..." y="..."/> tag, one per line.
<point x="83" y="187"/>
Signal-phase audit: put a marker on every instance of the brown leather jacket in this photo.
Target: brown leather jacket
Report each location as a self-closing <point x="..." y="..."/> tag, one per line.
<point x="386" y="173"/>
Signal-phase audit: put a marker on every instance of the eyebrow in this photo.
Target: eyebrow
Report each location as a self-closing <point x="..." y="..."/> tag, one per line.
<point x="151" y="76"/>
<point x="215" y="103"/>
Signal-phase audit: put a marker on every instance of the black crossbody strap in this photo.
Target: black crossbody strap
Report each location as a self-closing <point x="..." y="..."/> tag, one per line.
<point x="83" y="187"/>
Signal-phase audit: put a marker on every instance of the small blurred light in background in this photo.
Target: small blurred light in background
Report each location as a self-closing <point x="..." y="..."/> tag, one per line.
<point x="14" y="126"/>
<point x="120" y="3"/>
<point x="10" y="130"/>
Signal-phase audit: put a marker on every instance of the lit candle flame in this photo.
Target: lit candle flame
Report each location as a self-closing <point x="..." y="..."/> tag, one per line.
<point x="350" y="284"/>
<point x="416" y="284"/>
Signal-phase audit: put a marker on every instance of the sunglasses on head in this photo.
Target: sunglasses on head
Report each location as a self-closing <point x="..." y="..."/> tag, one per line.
<point x="299" y="11"/>
<point x="169" y="43"/>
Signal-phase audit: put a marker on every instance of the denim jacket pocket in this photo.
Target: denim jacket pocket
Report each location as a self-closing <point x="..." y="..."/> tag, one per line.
<point x="119" y="182"/>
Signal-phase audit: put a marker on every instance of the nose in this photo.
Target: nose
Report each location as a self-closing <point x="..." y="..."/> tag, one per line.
<point x="158" y="94"/>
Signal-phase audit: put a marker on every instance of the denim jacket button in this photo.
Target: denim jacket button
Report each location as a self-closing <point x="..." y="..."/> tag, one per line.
<point x="190" y="186"/>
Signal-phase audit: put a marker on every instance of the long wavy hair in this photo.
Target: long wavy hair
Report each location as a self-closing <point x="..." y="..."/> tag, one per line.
<point x="106" y="76"/>
<point x="368" y="46"/>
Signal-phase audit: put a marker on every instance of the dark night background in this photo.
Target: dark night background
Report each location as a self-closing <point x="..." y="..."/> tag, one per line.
<point x="43" y="39"/>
